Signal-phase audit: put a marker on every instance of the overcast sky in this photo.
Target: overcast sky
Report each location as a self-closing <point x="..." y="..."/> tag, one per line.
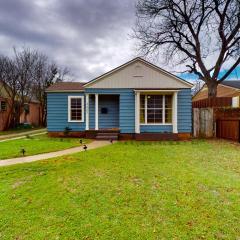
<point x="89" y="37"/>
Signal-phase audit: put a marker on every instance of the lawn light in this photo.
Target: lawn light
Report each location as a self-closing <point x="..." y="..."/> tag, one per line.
<point x="23" y="151"/>
<point x="85" y="147"/>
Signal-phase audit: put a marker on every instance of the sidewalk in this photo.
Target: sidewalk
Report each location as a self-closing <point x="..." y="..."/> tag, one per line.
<point x="92" y="145"/>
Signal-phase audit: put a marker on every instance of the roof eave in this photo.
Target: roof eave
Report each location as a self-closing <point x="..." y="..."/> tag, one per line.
<point x="58" y="91"/>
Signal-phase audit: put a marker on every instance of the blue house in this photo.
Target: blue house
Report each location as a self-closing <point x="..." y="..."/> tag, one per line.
<point x="136" y="100"/>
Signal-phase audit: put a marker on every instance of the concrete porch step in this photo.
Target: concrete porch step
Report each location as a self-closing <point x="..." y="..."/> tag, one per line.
<point x="110" y="137"/>
<point x="107" y="135"/>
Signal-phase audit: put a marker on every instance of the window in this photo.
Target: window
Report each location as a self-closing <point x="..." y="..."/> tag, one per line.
<point x="3" y="106"/>
<point x="26" y="108"/>
<point x="155" y="109"/>
<point x="75" y="109"/>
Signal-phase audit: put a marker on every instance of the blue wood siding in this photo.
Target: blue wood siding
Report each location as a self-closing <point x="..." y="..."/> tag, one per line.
<point x="57" y="108"/>
<point x="111" y="118"/>
<point x="57" y="113"/>
<point x="184" y="111"/>
<point x="126" y="107"/>
<point x="156" y="128"/>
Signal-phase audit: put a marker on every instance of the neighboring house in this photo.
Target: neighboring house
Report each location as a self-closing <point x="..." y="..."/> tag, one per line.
<point x="30" y="114"/>
<point x="4" y="111"/>
<point x="137" y="100"/>
<point x="226" y="89"/>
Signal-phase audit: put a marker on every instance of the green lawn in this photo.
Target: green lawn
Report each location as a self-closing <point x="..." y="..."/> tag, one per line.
<point x="35" y="145"/>
<point x="129" y="190"/>
<point x="20" y="130"/>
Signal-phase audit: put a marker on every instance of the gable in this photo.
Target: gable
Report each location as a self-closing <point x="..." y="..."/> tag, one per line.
<point x="3" y="91"/>
<point x="222" y="91"/>
<point x="138" y="74"/>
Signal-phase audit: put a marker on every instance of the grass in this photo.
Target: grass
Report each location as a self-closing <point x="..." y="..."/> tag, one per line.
<point x="35" y="145"/>
<point x="20" y="130"/>
<point x="133" y="190"/>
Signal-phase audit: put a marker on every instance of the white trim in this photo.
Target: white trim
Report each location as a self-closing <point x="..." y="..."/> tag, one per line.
<point x="159" y="90"/>
<point x="96" y="111"/>
<point x="69" y="108"/>
<point x="59" y="91"/>
<point x="190" y="85"/>
<point x="87" y="112"/>
<point x="175" y="110"/>
<point x="137" y="112"/>
<point x="156" y="124"/>
<point x="163" y="110"/>
<point x="145" y="109"/>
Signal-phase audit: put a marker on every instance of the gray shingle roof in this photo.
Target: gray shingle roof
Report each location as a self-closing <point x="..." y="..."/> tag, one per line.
<point x="232" y="83"/>
<point x="66" y="86"/>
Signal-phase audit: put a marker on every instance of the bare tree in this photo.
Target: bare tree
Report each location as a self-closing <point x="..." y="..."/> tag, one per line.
<point x="25" y="77"/>
<point x="198" y="84"/>
<point x="9" y="83"/>
<point x="25" y="61"/>
<point x="202" y="34"/>
<point x="45" y="74"/>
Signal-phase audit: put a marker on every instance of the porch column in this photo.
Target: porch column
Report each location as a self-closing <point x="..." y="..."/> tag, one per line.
<point x="96" y="111"/>
<point x="175" y="110"/>
<point x="137" y="113"/>
<point x="87" y="112"/>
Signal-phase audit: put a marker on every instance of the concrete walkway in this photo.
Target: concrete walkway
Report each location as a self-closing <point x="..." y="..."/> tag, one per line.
<point x="22" y="134"/>
<point x="16" y="138"/>
<point x="92" y="145"/>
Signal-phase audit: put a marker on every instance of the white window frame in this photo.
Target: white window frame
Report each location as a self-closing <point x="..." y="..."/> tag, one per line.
<point x="69" y="108"/>
<point x="163" y="111"/>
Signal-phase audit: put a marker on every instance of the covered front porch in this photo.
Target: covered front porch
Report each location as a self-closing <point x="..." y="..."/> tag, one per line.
<point x="153" y="111"/>
<point x="102" y="112"/>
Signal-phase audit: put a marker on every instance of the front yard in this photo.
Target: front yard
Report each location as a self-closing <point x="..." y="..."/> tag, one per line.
<point x="36" y="145"/>
<point x="19" y="130"/>
<point x="132" y="190"/>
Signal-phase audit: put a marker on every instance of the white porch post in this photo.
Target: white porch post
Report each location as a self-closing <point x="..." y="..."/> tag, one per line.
<point x="96" y="111"/>
<point x="87" y="112"/>
<point x="175" y="110"/>
<point x="137" y="113"/>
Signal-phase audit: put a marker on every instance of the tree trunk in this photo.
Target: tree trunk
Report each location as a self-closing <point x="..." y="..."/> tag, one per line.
<point x="212" y="89"/>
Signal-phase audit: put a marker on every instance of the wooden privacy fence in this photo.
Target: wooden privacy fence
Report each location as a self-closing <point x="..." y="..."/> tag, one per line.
<point x="228" y="129"/>
<point x="203" y="122"/>
<point x="213" y="102"/>
<point x="217" y="122"/>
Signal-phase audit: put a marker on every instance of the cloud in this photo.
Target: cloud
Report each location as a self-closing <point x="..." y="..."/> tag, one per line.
<point x="89" y="37"/>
